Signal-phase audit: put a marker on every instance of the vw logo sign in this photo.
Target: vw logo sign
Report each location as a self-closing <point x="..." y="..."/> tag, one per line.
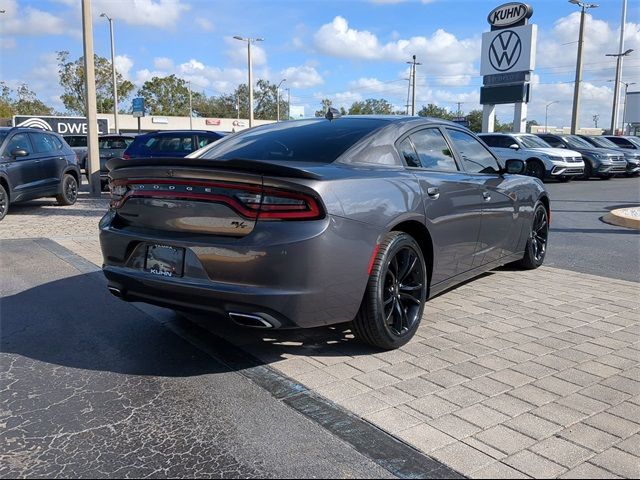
<point x="505" y="51"/>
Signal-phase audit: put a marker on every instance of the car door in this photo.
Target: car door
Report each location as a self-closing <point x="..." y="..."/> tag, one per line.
<point x="500" y="226"/>
<point x="23" y="172"/>
<point x="452" y="208"/>
<point x="51" y="159"/>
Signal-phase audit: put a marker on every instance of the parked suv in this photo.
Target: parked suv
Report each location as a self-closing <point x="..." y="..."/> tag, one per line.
<point x="111" y="146"/>
<point x="35" y="163"/>
<point x="632" y="157"/>
<point x="542" y="160"/>
<point x="627" y="142"/>
<point x="601" y="162"/>
<point x="175" y="143"/>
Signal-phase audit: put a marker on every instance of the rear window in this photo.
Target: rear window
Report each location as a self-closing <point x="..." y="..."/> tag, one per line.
<point x="164" y="143"/>
<point x="76" y="140"/>
<point x="115" y="142"/>
<point x="298" y="141"/>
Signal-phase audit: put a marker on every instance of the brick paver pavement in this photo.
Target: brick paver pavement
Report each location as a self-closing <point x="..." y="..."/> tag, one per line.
<point x="515" y="374"/>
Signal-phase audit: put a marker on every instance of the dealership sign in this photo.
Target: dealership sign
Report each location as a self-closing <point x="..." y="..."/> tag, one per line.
<point x="509" y="50"/>
<point x="509" y="14"/>
<point x="61" y="125"/>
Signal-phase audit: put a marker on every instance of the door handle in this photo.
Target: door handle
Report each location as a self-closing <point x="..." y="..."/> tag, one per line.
<point x="486" y="196"/>
<point x="433" y="192"/>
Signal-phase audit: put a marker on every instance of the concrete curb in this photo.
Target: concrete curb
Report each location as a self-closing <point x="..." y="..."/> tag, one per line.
<point x="622" y="218"/>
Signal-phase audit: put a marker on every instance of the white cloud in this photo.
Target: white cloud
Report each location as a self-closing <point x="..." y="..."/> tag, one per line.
<point x="441" y="53"/>
<point x="124" y="63"/>
<point x="304" y="76"/>
<point x="204" y="24"/>
<point x="163" y="63"/>
<point x="30" y="21"/>
<point x="157" y="13"/>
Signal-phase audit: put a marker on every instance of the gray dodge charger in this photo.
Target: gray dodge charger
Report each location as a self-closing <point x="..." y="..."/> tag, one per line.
<point x="316" y="222"/>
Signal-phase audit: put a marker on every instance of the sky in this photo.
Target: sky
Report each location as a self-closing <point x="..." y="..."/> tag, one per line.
<point x="342" y="50"/>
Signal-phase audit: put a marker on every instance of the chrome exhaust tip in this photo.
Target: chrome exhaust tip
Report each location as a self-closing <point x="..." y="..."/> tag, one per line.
<point x="249" y="320"/>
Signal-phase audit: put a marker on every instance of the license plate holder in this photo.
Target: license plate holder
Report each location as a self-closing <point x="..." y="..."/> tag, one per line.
<point x="164" y="260"/>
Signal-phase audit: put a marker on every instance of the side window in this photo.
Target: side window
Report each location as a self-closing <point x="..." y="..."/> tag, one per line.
<point x="42" y="143"/>
<point x="19" y="140"/>
<point x="203" y="141"/>
<point x="56" y="142"/>
<point x="554" y="142"/>
<point x="433" y="151"/>
<point x="408" y="153"/>
<point x="475" y="157"/>
<point x="506" y="141"/>
<point x="491" y="140"/>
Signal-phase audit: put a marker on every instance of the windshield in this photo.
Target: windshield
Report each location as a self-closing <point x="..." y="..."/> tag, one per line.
<point x="603" y="142"/>
<point x="531" y="141"/>
<point x="118" y="143"/>
<point x="576" y="142"/>
<point x="76" y="140"/>
<point x="300" y="141"/>
<point x="634" y="140"/>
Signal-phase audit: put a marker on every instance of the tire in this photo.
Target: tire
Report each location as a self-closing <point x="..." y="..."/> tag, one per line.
<point x="393" y="303"/>
<point x="535" y="168"/>
<point x="536" y="248"/>
<point x="588" y="171"/>
<point x="69" y="193"/>
<point x="4" y="202"/>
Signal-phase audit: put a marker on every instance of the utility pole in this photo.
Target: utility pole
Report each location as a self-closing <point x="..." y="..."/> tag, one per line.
<point x="409" y="92"/>
<point x="596" y="117"/>
<point x="190" y="108"/>
<point x="91" y="109"/>
<point x="459" y="112"/>
<point x="619" y="58"/>
<point x="413" y="64"/>
<point x="250" y="68"/>
<point x="575" y="116"/>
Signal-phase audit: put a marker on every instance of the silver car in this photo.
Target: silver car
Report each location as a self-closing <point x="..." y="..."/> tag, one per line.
<point x="543" y="161"/>
<point x="321" y="221"/>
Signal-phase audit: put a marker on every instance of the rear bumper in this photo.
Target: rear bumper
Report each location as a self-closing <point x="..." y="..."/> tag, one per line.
<point x="292" y="274"/>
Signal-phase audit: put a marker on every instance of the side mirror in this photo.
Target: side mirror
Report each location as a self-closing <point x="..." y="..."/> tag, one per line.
<point x="515" y="166"/>
<point x="19" y="152"/>
<point x="514" y="146"/>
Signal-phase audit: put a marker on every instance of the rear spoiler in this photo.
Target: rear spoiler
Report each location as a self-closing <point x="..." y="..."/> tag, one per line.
<point x="252" y="166"/>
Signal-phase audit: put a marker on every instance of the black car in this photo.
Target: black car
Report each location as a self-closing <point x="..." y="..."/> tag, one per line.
<point x="36" y="163"/>
<point x="173" y="143"/>
<point x="599" y="162"/>
<point x="632" y="157"/>
<point x="78" y="144"/>
<point x="111" y="146"/>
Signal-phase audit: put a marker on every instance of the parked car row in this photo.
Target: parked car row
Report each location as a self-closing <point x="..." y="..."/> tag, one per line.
<point x="36" y="163"/>
<point x="565" y="157"/>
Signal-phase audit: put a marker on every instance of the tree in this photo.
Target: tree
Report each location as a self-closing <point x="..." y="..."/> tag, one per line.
<point x="531" y="123"/>
<point x="475" y="120"/>
<point x="326" y="105"/>
<point x="72" y="79"/>
<point x="166" y="96"/>
<point x="371" y="106"/>
<point x="435" y="111"/>
<point x="22" y="102"/>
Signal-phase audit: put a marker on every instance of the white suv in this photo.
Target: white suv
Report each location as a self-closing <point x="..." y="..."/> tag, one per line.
<point x="543" y="161"/>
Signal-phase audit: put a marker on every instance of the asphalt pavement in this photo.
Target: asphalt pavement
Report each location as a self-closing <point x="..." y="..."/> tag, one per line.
<point x="579" y="239"/>
<point x="94" y="387"/>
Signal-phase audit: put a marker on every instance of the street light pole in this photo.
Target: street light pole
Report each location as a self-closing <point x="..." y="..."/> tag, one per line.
<point x="113" y="72"/>
<point x="619" y="57"/>
<point x="546" y="115"/>
<point x="190" y="108"/>
<point x="278" y="99"/>
<point x="250" y="68"/>
<point x="575" y="116"/>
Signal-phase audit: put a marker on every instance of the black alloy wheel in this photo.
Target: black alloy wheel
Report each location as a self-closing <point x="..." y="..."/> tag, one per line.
<point x="536" y="248"/>
<point x="393" y="303"/>
<point x="535" y="168"/>
<point x="69" y="193"/>
<point x="4" y="202"/>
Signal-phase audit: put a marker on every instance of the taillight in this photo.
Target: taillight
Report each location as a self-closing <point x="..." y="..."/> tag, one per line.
<point x="250" y="201"/>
